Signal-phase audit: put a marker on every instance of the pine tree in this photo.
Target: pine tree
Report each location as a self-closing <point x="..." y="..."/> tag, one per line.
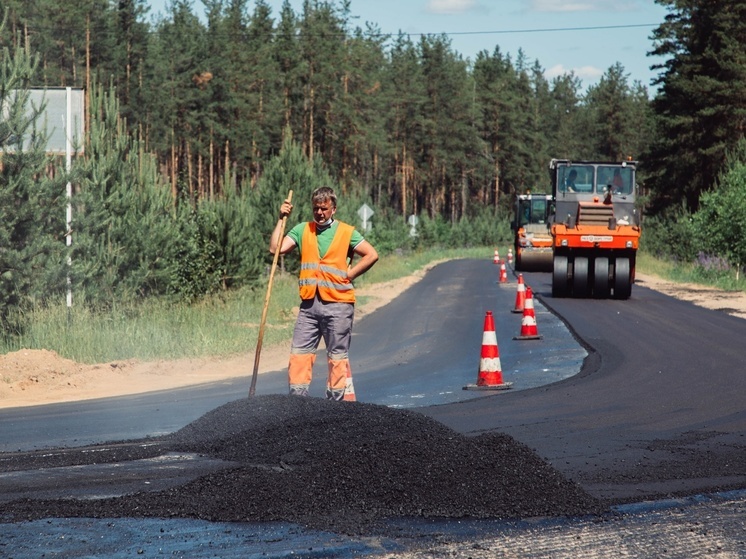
<point x="292" y="170"/>
<point x="450" y="142"/>
<point x="358" y="127"/>
<point x="523" y="131"/>
<point x="564" y="135"/>
<point x="177" y="90"/>
<point x="128" y="55"/>
<point x="701" y="102"/>
<point x="543" y="122"/>
<point x="126" y="240"/>
<point x="322" y="46"/>
<point x="619" y="118"/>
<point x="227" y="67"/>
<point x="32" y="199"/>
<point x="492" y="73"/>
<point x="288" y="58"/>
<point x="404" y="92"/>
<point x="264" y="102"/>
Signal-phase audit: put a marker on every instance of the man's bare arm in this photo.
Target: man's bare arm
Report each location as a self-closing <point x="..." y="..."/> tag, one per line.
<point x="368" y="257"/>
<point x="287" y="244"/>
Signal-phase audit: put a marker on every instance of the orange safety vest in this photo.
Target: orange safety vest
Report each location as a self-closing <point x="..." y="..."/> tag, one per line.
<point x="328" y="275"/>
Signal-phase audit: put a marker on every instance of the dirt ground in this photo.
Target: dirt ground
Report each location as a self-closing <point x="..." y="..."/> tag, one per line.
<point x="35" y="377"/>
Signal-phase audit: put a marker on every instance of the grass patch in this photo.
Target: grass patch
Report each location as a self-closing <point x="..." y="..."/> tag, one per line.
<point x="220" y="325"/>
<point x="690" y="272"/>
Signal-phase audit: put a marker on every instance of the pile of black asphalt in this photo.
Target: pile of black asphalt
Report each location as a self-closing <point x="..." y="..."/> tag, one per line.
<point x="346" y="467"/>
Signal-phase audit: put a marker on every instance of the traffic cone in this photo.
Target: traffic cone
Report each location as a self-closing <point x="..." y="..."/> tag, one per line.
<point x="490" y="372"/>
<point x="510" y="257"/>
<point x="520" y="295"/>
<point x="349" y="388"/>
<point x="496" y="257"/>
<point x="503" y="272"/>
<point x="529" y="331"/>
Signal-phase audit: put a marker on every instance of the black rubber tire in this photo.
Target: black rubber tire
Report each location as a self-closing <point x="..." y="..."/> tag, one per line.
<point x="517" y="265"/>
<point x="601" y="283"/>
<point x="622" y="279"/>
<point x="580" y="277"/>
<point x="560" y="281"/>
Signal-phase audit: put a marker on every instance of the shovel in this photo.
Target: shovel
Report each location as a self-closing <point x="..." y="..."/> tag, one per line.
<point x="258" y="351"/>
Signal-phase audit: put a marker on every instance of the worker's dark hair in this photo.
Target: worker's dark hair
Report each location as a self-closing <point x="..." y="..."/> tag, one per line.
<point x="324" y="194"/>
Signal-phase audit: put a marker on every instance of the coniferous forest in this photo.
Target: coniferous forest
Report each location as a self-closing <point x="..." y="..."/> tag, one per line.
<point x="197" y="128"/>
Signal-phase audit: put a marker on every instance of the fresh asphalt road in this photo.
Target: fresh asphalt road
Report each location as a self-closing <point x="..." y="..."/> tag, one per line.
<point x="657" y="408"/>
<point x="662" y="388"/>
<point x="420" y="350"/>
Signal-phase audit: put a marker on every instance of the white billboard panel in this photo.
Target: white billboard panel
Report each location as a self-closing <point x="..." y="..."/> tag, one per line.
<point x="63" y="117"/>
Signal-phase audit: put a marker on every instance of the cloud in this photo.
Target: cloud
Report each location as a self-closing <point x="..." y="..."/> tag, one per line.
<point x="590" y="73"/>
<point x="583" y="5"/>
<point x="451" y="6"/>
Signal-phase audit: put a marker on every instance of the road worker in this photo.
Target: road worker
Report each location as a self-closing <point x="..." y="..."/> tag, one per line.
<point x="327" y="250"/>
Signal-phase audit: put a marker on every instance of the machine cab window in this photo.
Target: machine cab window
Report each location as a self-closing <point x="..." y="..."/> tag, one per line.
<point x="617" y="180"/>
<point x="576" y="179"/>
<point x="533" y="210"/>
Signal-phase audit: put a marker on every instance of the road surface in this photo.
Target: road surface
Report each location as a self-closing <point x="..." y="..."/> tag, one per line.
<point x="656" y="412"/>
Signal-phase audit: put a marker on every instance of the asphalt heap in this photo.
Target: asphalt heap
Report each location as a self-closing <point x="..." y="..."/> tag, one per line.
<point x="346" y="467"/>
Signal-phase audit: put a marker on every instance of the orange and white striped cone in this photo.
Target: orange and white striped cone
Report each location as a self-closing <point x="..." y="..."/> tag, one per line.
<point x="490" y="375"/>
<point x="520" y="296"/>
<point x="529" y="331"/>
<point x="510" y="257"/>
<point x="349" y="387"/>
<point x="503" y="272"/>
<point x="496" y="257"/>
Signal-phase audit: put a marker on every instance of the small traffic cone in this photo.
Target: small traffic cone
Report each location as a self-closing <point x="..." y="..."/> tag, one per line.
<point x="503" y="272"/>
<point x="349" y="387"/>
<point x="529" y="331"/>
<point x="520" y="296"/>
<point x="510" y="257"/>
<point x="490" y="371"/>
<point x="496" y="257"/>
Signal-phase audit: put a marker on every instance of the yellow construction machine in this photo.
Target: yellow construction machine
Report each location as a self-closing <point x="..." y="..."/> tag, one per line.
<point x="532" y="236"/>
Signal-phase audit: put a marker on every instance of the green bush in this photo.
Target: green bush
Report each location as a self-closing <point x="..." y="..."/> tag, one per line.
<point x="670" y="236"/>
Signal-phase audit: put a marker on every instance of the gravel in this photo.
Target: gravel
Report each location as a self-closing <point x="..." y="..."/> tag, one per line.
<point x="346" y="467"/>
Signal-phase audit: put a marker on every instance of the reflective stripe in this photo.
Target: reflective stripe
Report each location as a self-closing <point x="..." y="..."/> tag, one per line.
<point x="335" y="271"/>
<point x="338" y="286"/>
<point x="326" y="276"/>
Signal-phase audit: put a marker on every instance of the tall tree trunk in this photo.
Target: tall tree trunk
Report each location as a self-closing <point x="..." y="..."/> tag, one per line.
<point x="404" y="181"/>
<point x="174" y="192"/>
<point x="190" y="183"/>
<point x="227" y="161"/>
<point x="464" y="193"/>
<point x="498" y="170"/>
<point x="212" y="167"/>
<point x="200" y="179"/>
<point x="311" y="132"/>
<point x="286" y="102"/>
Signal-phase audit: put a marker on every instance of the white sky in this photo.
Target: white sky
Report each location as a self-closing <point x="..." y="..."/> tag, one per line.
<point x="557" y="33"/>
